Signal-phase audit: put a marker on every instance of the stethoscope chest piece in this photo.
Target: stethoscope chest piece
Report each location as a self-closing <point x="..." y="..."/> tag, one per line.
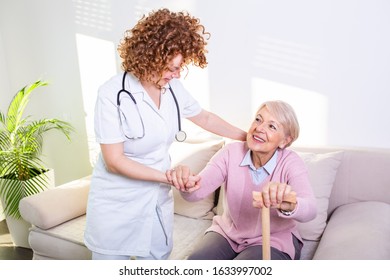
<point x="181" y="136"/>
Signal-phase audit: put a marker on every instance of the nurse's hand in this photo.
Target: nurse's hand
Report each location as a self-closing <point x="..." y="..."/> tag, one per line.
<point x="182" y="178"/>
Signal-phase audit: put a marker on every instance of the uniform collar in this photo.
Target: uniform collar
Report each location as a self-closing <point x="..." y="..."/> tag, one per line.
<point x="134" y="85"/>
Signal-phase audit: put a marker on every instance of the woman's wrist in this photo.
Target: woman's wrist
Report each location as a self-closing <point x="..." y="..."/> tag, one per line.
<point x="290" y="211"/>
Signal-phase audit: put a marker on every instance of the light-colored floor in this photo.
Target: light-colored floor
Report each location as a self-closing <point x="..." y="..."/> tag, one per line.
<point x="7" y="249"/>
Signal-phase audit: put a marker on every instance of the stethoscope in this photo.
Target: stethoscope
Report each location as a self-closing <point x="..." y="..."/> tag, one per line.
<point x="180" y="136"/>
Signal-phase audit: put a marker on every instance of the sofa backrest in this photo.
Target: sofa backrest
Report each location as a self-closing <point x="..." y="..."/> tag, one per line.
<point x="363" y="175"/>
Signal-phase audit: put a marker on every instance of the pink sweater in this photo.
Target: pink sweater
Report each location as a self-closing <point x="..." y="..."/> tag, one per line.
<point x="240" y="222"/>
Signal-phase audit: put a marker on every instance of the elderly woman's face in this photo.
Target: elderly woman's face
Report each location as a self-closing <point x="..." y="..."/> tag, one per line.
<point x="266" y="134"/>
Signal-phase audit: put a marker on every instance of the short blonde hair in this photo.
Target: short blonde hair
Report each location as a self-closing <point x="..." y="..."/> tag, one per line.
<point x="285" y="115"/>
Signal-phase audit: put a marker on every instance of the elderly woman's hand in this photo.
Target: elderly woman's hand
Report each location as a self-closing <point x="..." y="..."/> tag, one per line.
<point x="277" y="195"/>
<point x="182" y="179"/>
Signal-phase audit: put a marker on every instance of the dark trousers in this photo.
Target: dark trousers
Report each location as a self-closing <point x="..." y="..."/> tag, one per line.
<point x="214" y="246"/>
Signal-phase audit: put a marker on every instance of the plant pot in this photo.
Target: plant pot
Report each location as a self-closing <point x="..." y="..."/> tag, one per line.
<point x="19" y="228"/>
<point x="2" y="216"/>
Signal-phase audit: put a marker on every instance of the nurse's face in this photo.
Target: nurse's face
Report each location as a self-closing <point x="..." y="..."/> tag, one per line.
<point x="172" y="71"/>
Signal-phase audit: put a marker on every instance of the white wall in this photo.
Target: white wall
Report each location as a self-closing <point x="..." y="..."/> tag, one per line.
<point x="330" y="59"/>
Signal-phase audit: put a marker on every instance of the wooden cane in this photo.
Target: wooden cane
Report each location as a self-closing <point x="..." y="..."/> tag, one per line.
<point x="266" y="225"/>
<point x="265" y="222"/>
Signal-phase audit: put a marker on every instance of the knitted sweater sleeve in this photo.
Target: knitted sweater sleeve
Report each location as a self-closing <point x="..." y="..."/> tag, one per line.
<point x="292" y="170"/>
<point x="212" y="176"/>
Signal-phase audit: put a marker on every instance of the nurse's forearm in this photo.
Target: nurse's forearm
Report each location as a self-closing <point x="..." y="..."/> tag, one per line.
<point x="215" y="124"/>
<point x="137" y="171"/>
<point x="116" y="162"/>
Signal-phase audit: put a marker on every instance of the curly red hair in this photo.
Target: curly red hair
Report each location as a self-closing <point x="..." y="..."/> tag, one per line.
<point x="155" y="40"/>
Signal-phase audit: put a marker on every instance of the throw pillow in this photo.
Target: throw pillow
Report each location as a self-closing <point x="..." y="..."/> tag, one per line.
<point x="322" y="170"/>
<point x="195" y="155"/>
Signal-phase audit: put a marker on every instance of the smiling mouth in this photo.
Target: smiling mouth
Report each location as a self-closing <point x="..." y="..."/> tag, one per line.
<point x="258" y="139"/>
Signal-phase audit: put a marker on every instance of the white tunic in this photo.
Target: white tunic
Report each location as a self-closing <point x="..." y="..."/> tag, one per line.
<point x="120" y="210"/>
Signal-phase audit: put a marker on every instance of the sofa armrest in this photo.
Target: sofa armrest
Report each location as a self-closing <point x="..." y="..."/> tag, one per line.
<point x="55" y="206"/>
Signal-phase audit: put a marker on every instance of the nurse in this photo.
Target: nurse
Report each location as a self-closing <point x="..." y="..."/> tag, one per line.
<point x="137" y="116"/>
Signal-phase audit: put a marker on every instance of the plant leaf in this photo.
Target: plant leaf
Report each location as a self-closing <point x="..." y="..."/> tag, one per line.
<point x="20" y="148"/>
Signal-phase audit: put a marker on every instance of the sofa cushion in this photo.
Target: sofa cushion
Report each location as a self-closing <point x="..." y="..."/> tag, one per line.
<point x="322" y="170"/>
<point x="195" y="155"/>
<point x="63" y="242"/>
<point x="357" y="231"/>
<point x="55" y="206"/>
<point x="187" y="233"/>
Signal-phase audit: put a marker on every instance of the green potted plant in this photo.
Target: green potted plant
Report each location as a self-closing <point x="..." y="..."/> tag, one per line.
<point x="22" y="172"/>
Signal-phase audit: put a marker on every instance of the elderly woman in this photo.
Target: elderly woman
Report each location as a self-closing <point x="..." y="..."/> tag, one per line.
<point x="260" y="165"/>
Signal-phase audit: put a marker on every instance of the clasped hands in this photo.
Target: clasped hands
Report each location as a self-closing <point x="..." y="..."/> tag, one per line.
<point x="182" y="179"/>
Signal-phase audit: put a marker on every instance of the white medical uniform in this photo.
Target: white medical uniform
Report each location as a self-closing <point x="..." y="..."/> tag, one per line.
<point x="124" y="216"/>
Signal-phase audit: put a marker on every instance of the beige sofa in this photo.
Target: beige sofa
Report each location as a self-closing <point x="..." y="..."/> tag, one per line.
<point x="352" y="187"/>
